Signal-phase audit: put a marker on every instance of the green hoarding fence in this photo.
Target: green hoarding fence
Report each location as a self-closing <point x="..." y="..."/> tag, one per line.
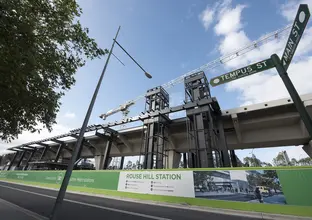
<point x="297" y="186"/>
<point x="90" y="179"/>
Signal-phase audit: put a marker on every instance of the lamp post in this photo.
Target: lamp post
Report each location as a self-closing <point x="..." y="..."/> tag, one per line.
<point x="145" y="72"/>
<point x="78" y="145"/>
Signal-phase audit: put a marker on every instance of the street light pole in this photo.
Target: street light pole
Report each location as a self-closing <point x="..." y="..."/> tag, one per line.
<point x="145" y="72"/>
<point x="78" y="145"/>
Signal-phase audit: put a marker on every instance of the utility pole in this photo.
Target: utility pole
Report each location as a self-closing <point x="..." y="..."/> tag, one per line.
<point x="78" y="146"/>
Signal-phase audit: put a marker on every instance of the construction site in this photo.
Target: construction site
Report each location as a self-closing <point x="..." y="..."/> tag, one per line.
<point x="207" y="137"/>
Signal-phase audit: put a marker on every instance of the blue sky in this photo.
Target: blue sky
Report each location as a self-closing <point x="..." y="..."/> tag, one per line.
<point x="166" y="37"/>
<point x="170" y="38"/>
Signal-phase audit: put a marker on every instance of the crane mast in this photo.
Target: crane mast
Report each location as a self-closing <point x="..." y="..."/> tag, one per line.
<point x="124" y="108"/>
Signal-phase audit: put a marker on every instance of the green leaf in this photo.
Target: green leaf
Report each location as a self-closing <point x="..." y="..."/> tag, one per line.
<point x="42" y="46"/>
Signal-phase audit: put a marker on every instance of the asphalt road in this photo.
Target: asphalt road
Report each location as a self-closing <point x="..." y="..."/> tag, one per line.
<point x="75" y="206"/>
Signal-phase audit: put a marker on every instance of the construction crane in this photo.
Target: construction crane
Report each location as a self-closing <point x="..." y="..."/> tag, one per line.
<point x="124" y="108"/>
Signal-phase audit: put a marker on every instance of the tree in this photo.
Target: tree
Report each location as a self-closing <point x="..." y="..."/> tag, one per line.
<point x="252" y="161"/>
<point x="293" y="162"/>
<point x="138" y="165"/>
<point x="267" y="164"/>
<point x="280" y="160"/>
<point x="129" y="165"/>
<point x="203" y="180"/>
<point x="181" y="164"/>
<point x="305" y="161"/>
<point x="42" y="44"/>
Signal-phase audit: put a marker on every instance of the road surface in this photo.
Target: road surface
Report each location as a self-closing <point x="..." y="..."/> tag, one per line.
<point x="40" y="201"/>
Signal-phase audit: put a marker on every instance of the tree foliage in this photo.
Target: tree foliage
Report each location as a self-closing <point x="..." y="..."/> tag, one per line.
<point x="307" y="161"/>
<point x="204" y="180"/>
<point x="269" y="178"/>
<point x="42" y="44"/>
<point x="252" y="161"/>
<point x="279" y="160"/>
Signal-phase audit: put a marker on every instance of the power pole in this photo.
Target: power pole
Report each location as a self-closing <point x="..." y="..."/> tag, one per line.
<point x="78" y="146"/>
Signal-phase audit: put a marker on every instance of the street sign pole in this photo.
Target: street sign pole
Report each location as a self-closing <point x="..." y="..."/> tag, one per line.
<point x="281" y="65"/>
<point x="78" y="145"/>
<point x="305" y="117"/>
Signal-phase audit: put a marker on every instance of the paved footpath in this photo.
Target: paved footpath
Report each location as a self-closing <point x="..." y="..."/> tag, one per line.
<point x="11" y="211"/>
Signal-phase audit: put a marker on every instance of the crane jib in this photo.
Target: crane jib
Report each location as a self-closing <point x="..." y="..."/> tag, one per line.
<point x="213" y="64"/>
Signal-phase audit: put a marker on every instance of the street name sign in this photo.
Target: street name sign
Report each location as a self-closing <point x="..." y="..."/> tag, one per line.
<point x="296" y="32"/>
<point x="242" y="72"/>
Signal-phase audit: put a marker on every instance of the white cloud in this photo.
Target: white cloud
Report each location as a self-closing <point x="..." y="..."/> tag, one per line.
<point x="232" y="41"/>
<point x="229" y="20"/>
<point x="70" y="115"/>
<point x="267" y="85"/>
<point x="289" y="9"/>
<point x="206" y="17"/>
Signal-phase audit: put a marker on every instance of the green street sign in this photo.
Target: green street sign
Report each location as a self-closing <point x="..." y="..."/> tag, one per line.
<point x="296" y="32"/>
<point x="242" y="72"/>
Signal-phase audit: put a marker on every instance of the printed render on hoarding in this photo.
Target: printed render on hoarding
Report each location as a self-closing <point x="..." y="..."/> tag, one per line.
<point x="256" y="186"/>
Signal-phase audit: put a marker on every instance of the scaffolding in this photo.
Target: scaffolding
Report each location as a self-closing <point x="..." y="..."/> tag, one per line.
<point x="155" y="130"/>
<point x="201" y="123"/>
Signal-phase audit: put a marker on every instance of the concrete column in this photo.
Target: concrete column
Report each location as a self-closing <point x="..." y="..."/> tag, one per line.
<point x="108" y="161"/>
<point x="102" y="160"/>
<point x="225" y="157"/>
<point x="12" y="161"/>
<point x="121" y="162"/>
<point x="233" y="158"/>
<point x="98" y="162"/>
<point x="43" y="153"/>
<point x="149" y="147"/>
<point x="20" y="159"/>
<point x="174" y="159"/>
<point x="29" y="158"/>
<point x="106" y="158"/>
<point x="308" y="148"/>
<point x="58" y="153"/>
<point x="184" y="160"/>
<point x="217" y="158"/>
<point x="205" y="152"/>
<point x="191" y="160"/>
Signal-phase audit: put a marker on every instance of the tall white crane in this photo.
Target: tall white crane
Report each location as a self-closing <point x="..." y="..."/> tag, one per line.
<point x="124" y="108"/>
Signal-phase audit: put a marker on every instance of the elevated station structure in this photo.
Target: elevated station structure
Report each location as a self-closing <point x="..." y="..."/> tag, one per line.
<point x="206" y="137"/>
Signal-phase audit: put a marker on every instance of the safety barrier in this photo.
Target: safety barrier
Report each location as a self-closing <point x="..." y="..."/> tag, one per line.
<point x="285" y="190"/>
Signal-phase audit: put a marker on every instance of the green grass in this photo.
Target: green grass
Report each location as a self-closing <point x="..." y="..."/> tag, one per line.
<point x="256" y="207"/>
